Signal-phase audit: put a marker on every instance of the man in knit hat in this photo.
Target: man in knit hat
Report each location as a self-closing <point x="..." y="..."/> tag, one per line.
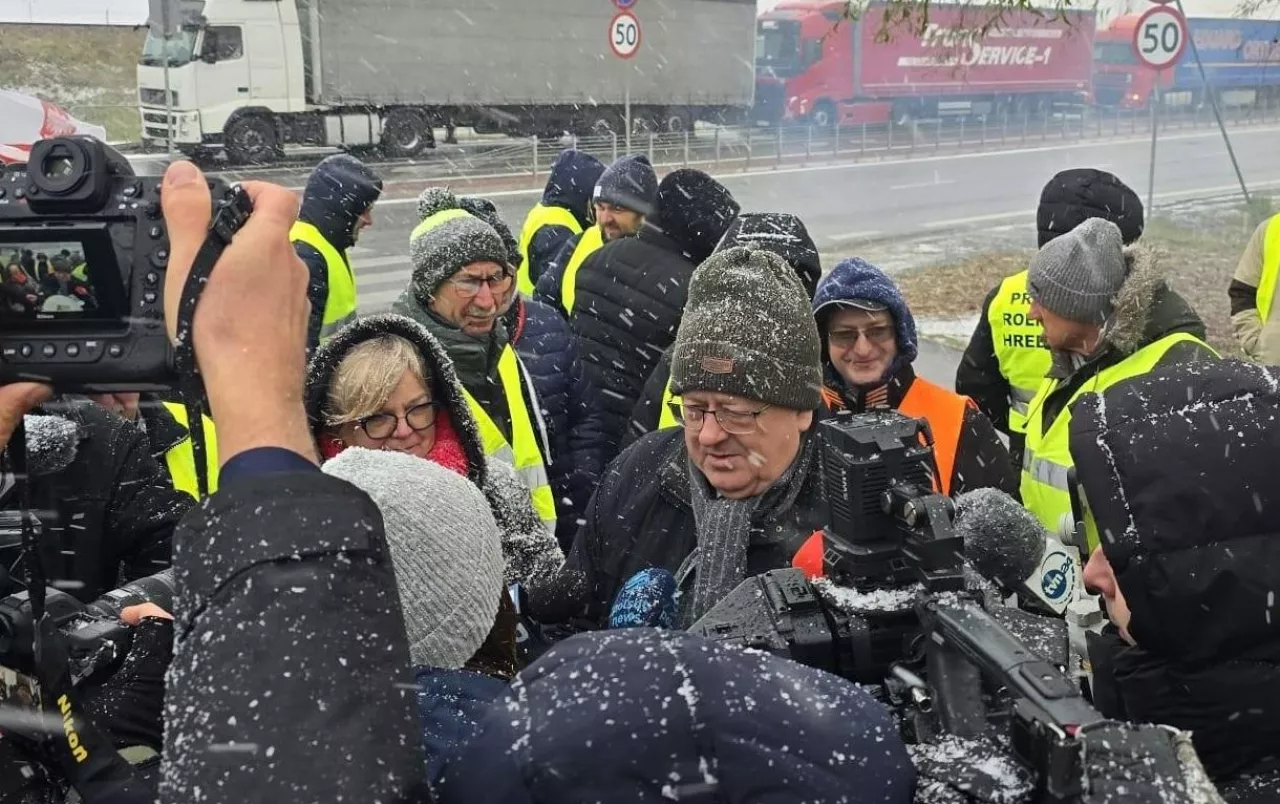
<point x="460" y="287"/>
<point x="446" y="553"/>
<point x="626" y="193"/>
<point x="736" y="490"/>
<point x="1108" y="316"/>
<point x="1007" y="358"/>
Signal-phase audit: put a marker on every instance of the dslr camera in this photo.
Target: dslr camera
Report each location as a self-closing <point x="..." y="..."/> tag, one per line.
<point x="83" y="251"/>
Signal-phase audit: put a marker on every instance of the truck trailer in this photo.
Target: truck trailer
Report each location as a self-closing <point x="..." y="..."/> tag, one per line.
<point x="815" y="66"/>
<point x="251" y="76"/>
<point x="1241" y="61"/>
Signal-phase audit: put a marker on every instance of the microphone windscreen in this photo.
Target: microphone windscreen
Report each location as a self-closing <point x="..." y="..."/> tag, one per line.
<point x="1002" y="540"/>
<point x="646" y="600"/>
<point x="51" y="443"/>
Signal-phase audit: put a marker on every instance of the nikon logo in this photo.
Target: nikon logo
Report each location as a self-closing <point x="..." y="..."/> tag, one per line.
<point x="68" y="726"/>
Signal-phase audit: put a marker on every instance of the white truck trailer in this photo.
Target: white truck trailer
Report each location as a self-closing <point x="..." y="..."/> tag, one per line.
<point x="251" y="76"/>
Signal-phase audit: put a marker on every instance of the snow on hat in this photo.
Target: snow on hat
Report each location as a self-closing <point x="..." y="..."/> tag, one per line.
<point x="695" y="210"/>
<point x="445" y="550"/>
<point x="630" y="183"/>
<point x="1078" y="275"/>
<point x="454" y="239"/>
<point x="747" y="330"/>
<point x="642" y="714"/>
<point x="782" y="233"/>
<point x="859" y="284"/>
<point x="1073" y="196"/>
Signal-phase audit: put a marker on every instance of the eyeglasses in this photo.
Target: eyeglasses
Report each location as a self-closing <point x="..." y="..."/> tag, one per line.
<point x="848" y="338"/>
<point x="470" y="286"/>
<point x="382" y="425"/>
<point x="733" y="422"/>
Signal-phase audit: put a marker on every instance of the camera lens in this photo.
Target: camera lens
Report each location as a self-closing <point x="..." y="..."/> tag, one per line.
<point x="58" y="167"/>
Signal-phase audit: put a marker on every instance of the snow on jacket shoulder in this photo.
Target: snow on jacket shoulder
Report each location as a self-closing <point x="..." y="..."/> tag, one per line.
<point x="290" y="651"/>
<point x="450" y="705"/>
<point x="569" y="403"/>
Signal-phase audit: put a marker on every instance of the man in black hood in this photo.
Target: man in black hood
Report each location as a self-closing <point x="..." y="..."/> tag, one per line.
<point x="630" y="293"/>
<point x="1007" y="356"/>
<point x="563" y="212"/>
<point x="1178" y="471"/>
<point x="336" y="206"/>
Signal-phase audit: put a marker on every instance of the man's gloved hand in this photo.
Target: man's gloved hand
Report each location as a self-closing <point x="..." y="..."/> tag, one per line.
<point x="129" y="705"/>
<point x="1142" y="764"/>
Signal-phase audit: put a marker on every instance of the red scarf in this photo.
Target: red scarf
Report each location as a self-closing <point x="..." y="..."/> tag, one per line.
<point x="447" y="450"/>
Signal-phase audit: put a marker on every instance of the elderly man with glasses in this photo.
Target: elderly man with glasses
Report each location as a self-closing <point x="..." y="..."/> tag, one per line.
<point x="461" y="282"/>
<point x="735" y="491"/>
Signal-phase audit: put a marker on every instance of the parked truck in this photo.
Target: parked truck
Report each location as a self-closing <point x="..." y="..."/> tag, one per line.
<point x="251" y="76"/>
<point x="815" y="66"/>
<point x="1241" y="61"/>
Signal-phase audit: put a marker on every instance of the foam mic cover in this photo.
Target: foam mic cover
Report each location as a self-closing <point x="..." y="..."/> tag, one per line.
<point x="1002" y="540"/>
<point x="646" y="600"/>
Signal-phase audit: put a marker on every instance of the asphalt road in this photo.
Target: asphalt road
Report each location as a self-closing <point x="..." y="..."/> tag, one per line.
<point x="844" y="204"/>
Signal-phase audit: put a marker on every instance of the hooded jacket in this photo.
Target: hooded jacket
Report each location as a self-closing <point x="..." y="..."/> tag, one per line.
<point x="1145" y="310"/>
<point x="643" y="715"/>
<point x="338" y="192"/>
<point x="107" y="510"/>
<point x="570" y="405"/>
<point x="531" y="552"/>
<point x="1179" y="469"/>
<point x="631" y="294"/>
<point x="573" y="177"/>
<point x="642" y="516"/>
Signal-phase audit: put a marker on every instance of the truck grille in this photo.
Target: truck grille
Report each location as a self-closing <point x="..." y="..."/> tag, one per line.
<point x="155" y="97"/>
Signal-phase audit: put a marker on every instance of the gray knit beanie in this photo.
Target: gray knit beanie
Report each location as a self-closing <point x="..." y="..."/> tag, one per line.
<point x="747" y="330"/>
<point x="451" y="244"/>
<point x="1078" y="274"/>
<point x="445" y="550"/>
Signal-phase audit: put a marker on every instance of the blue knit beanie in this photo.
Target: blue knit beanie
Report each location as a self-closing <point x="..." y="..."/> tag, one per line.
<point x="857" y="279"/>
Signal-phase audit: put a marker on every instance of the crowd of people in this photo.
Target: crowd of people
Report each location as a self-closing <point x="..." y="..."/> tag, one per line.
<point x="402" y="584"/>
<point x="33" y="281"/>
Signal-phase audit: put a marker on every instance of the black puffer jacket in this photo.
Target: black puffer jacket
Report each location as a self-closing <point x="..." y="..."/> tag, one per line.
<point x="338" y="192"/>
<point x="631" y="293"/>
<point x="107" y="509"/>
<point x="642" y="516"/>
<point x="1179" y="467"/>
<point x="570" y="406"/>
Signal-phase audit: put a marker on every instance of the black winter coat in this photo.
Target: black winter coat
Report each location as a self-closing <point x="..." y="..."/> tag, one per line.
<point x="291" y="651"/>
<point x="570" y="405"/>
<point x="108" y="517"/>
<point x="630" y="298"/>
<point x="572" y="180"/>
<point x="338" y="192"/>
<point x="1179" y="468"/>
<point x="978" y="375"/>
<point x="641" y="516"/>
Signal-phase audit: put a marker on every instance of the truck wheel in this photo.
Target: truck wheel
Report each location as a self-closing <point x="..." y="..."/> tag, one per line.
<point x="251" y="140"/>
<point x="405" y="133"/>
<point x="823" y="115"/>
<point x="675" y="121"/>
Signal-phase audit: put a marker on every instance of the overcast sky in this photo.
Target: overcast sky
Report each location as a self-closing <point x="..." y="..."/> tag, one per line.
<point x="131" y="12"/>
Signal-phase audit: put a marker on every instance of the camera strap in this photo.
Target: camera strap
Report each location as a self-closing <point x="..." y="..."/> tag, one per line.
<point x="22" y="487"/>
<point x="229" y="214"/>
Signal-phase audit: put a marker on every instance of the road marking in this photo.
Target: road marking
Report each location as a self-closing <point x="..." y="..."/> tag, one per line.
<point x="728" y="177"/>
<point x="865" y="235"/>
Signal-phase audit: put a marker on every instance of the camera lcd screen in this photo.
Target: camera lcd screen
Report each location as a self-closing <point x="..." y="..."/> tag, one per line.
<point x="57" y="276"/>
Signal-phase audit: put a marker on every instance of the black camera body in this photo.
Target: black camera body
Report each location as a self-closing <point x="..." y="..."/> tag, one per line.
<point x="91" y="318"/>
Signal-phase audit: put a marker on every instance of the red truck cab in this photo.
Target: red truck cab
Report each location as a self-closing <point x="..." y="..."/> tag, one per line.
<point x="1119" y="79"/>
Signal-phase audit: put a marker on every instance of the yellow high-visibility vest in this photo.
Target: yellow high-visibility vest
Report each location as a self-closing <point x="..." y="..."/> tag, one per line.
<point x="1047" y="461"/>
<point x="1270" y="268"/>
<point x="181" y="457"/>
<point x="432" y="221"/>
<point x="522" y="453"/>
<point x="81" y="272"/>
<point x="591" y="240"/>
<point x="667" y="418"/>
<point x="340" y="308"/>
<point x="1021" y="351"/>
<point x="541" y="215"/>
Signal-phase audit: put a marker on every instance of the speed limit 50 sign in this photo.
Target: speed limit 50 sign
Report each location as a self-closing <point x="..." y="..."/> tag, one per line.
<point x="624" y="35"/>
<point x="1160" y="37"/>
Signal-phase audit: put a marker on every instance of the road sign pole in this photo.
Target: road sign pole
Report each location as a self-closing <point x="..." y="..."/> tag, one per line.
<point x="168" y="96"/>
<point x="1217" y="113"/>
<point x="1155" y="127"/>
<point x="626" y="107"/>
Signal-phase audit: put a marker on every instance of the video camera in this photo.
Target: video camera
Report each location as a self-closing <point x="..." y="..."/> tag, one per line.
<point x="899" y="611"/>
<point x="89" y="316"/>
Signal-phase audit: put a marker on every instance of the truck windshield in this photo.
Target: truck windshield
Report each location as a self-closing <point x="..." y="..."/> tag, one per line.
<point x="1114" y="53"/>
<point x="175" y="51"/>
<point x="778" y="47"/>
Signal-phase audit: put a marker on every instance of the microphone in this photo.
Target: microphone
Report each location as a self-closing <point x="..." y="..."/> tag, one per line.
<point x="646" y="600"/>
<point x="1005" y="542"/>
